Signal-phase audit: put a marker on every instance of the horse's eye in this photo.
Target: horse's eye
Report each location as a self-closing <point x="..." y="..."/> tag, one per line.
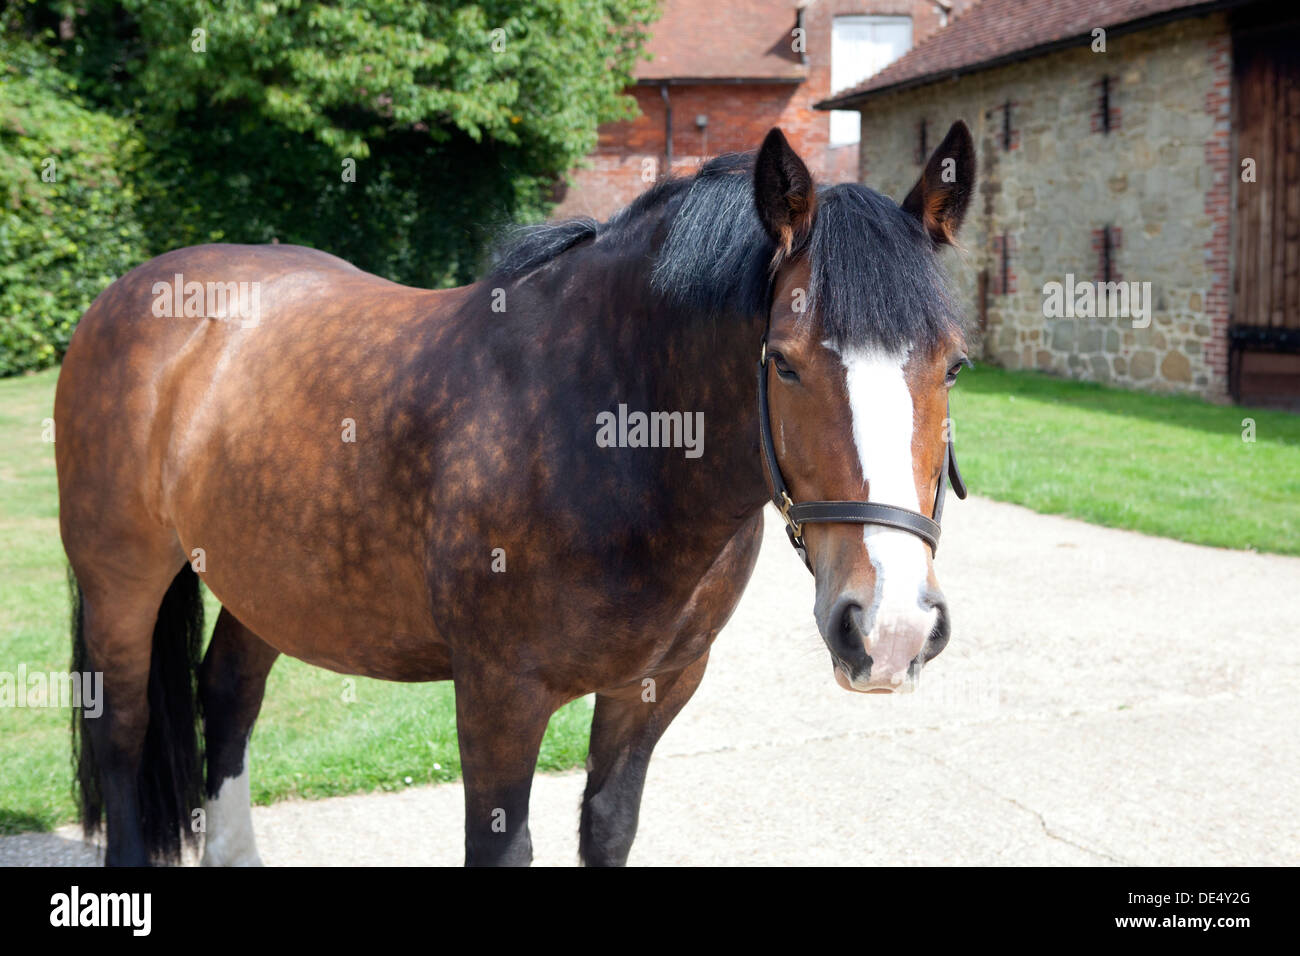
<point x="783" y="368"/>
<point x="952" y="372"/>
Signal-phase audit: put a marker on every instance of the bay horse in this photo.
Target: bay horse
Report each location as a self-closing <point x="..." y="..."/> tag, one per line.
<point x="408" y="484"/>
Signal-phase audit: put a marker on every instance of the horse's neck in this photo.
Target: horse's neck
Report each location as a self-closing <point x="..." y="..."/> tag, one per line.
<point x="706" y="368"/>
<point x="633" y="351"/>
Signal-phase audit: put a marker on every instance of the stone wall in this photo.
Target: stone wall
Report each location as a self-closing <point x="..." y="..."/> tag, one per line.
<point x="1159" y="180"/>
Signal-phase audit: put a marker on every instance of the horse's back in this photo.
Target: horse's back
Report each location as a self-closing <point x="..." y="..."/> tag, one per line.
<point x="148" y="292"/>
<point x="195" y="308"/>
<point x="223" y="322"/>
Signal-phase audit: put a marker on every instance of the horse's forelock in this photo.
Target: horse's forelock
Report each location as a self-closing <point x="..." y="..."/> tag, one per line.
<point x="876" y="280"/>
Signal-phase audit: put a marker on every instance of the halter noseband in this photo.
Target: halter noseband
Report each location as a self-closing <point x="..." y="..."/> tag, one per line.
<point x="847" y="512"/>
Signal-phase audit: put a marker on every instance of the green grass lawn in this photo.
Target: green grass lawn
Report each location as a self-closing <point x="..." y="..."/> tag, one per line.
<point x="308" y="742"/>
<point x="1169" y="466"/>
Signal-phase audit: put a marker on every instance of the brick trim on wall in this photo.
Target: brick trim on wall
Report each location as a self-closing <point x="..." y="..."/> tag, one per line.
<point x="1218" y="206"/>
<point x="1099" y="247"/>
<point x="1004" y="242"/>
<point x="1003" y="116"/>
<point x="1098" y="125"/>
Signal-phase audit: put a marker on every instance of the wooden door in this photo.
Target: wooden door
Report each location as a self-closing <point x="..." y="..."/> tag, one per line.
<point x="1265" y="332"/>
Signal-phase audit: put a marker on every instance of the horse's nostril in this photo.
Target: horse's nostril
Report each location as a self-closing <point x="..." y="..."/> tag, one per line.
<point x="938" y="639"/>
<point x="851" y="632"/>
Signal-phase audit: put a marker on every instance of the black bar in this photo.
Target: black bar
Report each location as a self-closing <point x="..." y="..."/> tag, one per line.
<point x="308" y="908"/>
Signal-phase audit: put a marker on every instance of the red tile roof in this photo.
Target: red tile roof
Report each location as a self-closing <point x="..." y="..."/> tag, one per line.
<point x="993" y="32"/>
<point x="723" y="39"/>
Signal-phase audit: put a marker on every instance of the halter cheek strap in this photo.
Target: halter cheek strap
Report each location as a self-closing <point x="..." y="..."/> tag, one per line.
<point x="847" y="512"/>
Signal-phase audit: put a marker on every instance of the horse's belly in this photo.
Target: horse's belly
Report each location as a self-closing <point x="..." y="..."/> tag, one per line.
<point x="318" y="567"/>
<point x="331" y="629"/>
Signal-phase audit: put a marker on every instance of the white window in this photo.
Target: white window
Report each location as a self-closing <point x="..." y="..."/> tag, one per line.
<point x="861" y="46"/>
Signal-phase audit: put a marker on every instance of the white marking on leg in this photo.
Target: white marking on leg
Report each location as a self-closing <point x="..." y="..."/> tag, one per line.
<point x="229" y="820"/>
<point x="883" y="426"/>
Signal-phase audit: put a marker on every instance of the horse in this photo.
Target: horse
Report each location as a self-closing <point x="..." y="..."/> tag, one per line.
<point x="412" y="485"/>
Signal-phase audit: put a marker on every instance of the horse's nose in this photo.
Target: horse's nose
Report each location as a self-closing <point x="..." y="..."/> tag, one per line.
<point x="885" y="652"/>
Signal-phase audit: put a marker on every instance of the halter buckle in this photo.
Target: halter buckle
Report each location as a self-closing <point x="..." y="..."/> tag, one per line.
<point x="796" y="530"/>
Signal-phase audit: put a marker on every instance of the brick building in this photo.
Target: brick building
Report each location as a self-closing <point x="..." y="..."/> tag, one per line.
<point x="723" y="72"/>
<point x="1170" y="157"/>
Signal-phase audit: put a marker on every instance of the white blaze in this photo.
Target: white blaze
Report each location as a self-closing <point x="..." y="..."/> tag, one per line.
<point x="883" y="425"/>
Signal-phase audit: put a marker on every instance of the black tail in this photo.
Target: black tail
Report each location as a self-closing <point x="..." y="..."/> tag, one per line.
<point x="171" y="765"/>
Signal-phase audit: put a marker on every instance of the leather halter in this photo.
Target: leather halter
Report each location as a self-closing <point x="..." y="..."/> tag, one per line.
<point x="847" y="512"/>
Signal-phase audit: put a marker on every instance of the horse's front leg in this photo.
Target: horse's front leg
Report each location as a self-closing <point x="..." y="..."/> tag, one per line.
<point x="624" y="730"/>
<point x="500" y="720"/>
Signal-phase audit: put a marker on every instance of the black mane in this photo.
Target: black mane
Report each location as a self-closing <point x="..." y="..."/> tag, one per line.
<point x="875" y="278"/>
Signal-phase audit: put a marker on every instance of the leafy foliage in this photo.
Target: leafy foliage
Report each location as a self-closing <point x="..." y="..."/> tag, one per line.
<point x="68" y="223"/>
<point x="399" y="134"/>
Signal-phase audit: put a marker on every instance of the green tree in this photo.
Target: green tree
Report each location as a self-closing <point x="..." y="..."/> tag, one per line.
<point x="68" y="223"/>
<point x="399" y="134"/>
<point x="458" y="118"/>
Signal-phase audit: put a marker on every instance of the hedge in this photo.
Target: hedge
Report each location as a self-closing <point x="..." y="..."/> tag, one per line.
<point x="68" y="222"/>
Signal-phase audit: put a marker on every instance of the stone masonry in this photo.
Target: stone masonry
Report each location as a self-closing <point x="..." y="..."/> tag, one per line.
<point x="1159" y="180"/>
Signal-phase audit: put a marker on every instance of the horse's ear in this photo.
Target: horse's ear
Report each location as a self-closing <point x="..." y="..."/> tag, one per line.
<point x="784" y="193"/>
<point x="940" y="197"/>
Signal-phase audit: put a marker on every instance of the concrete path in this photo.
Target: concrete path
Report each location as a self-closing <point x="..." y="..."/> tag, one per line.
<point x="1107" y="698"/>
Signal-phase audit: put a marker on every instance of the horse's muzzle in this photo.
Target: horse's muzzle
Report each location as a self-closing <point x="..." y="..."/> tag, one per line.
<point x="885" y="655"/>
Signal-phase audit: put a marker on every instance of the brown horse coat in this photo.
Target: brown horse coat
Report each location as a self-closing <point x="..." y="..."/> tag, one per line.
<point x="407" y="484"/>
